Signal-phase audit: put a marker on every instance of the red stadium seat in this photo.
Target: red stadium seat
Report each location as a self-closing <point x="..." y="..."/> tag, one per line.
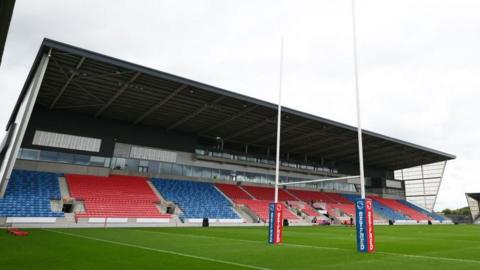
<point x="233" y="191"/>
<point x="261" y="209"/>
<point x="268" y="193"/>
<point x="114" y="196"/>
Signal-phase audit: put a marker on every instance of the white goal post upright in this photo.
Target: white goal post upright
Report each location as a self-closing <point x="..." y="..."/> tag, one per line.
<point x="279" y="122"/>
<point x="357" y="92"/>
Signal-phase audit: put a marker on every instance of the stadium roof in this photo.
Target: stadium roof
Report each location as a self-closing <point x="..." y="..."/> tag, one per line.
<point x="475" y="196"/>
<point x="104" y="87"/>
<point x="6" y="10"/>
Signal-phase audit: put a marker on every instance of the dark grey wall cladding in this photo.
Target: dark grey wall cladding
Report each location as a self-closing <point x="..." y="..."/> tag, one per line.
<point x="353" y="169"/>
<point x="110" y="131"/>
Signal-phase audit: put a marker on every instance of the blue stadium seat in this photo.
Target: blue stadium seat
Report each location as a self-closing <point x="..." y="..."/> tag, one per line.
<point x="380" y="209"/>
<point x="29" y="193"/>
<point x="196" y="199"/>
<point x="433" y="215"/>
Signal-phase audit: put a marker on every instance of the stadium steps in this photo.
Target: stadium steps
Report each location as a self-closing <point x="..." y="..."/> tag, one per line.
<point x="234" y="207"/>
<point x="64" y="191"/>
<point x="261" y="209"/>
<point x="293" y="195"/>
<point x="248" y="193"/>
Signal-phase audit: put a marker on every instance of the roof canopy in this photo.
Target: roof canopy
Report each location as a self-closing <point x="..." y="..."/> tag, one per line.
<point x="104" y="87"/>
<point x="6" y="10"/>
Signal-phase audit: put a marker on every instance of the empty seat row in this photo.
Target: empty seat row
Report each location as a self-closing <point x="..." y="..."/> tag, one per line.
<point x="261" y="208"/>
<point x="196" y="199"/>
<point x="115" y="196"/>
<point x="28" y="194"/>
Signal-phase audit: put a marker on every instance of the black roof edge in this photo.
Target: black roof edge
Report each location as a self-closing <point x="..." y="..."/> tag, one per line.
<point x="49" y="43"/>
<point x="6" y="11"/>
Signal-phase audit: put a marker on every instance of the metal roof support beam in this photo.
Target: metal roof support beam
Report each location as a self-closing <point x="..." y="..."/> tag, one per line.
<point x="78" y="106"/>
<point x="312" y="144"/>
<point x="73" y="82"/>
<point x="229" y="119"/>
<point x="328" y="150"/>
<point x="388" y="154"/>
<point x="340" y="154"/>
<point x="160" y="104"/>
<point x="273" y="134"/>
<point x="391" y="159"/>
<point x="258" y="125"/>
<point x="67" y="83"/>
<point x="195" y="113"/>
<point x="370" y="152"/>
<point x="117" y="94"/>
<point x="303" y="137"/>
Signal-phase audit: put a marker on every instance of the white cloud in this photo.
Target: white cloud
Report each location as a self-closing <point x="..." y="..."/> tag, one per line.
<point x="418" y="59"/>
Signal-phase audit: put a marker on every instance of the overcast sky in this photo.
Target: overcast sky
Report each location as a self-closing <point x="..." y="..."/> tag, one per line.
<point x="419" y="61"/>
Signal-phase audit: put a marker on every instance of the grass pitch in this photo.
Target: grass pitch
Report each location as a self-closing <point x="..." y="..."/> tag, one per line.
<point x="398" y="247"/>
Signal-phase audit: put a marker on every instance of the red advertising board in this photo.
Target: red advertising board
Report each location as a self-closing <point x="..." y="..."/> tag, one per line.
<point x="370" y="225"/>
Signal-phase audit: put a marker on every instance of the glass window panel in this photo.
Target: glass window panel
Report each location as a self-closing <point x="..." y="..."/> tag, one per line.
<point x="131" y="164"/>
<point x="97" y="161"/>
<point x="65" y="158"/>
<point x="30" y="154"/>
<point x="48" y="155"/>
<point x="187" y="170"/>
<point x="154" y="166"/>
<point x="206" y="173"/>
<point x="176" y="169"/>
<point x="166" y="168"/>
<point x="196" y="171"/>
<point x="81" y="159"/>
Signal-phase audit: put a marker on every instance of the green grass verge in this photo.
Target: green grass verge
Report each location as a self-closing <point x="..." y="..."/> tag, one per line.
<point x="399" y="247"/>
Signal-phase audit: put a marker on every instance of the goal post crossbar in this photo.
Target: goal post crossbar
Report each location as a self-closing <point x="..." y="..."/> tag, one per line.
<point x="319" y="180"/>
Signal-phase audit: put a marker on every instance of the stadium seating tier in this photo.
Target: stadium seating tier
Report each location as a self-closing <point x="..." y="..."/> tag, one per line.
<point x="196" y="199"/>
<point x="114" y="196"/>
<point x="28" y="194"/>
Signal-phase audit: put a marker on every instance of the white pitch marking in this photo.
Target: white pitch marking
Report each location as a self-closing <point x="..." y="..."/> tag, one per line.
<point x="162" y="251"/>
<point x="320" y="247"/>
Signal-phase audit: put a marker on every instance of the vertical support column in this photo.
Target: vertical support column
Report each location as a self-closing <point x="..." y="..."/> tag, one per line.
<point x="21" y="122"/>
<point x="424" y="191"/>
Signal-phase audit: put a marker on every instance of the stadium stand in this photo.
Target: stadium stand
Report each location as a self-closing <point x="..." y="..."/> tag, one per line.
<point x="268" y="193"/>
<point x="380" y="209"/>
<point x="196" y="199"/>
<point x="401" y="208"/>
<point x="305" y="208"/>
<point x="432" y="215"/>
<point x="233" y="191"/>
<point x="261" y="208"/>
<point x="309" y="196"/>
<point x="29" y="193"/>
<point x="114" y="196"/>
<point x="258" y="205"/>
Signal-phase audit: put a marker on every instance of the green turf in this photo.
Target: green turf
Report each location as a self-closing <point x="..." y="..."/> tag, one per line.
<point x="399" y="247"/>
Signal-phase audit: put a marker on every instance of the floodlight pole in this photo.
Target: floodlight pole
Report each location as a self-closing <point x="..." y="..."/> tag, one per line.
<point x="357" y="92"/>
<point x="279" y="121"/>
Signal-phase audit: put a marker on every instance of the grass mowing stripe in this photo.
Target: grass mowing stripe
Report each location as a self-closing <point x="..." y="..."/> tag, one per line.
<point x="160" y="250"/>
<point x="230" y="239"/>
<point x="316" y="247"/>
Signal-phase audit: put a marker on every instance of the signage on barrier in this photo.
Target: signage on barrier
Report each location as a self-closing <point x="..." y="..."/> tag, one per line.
<point x="365" y="229"/>
<point x="275" y="223"/>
